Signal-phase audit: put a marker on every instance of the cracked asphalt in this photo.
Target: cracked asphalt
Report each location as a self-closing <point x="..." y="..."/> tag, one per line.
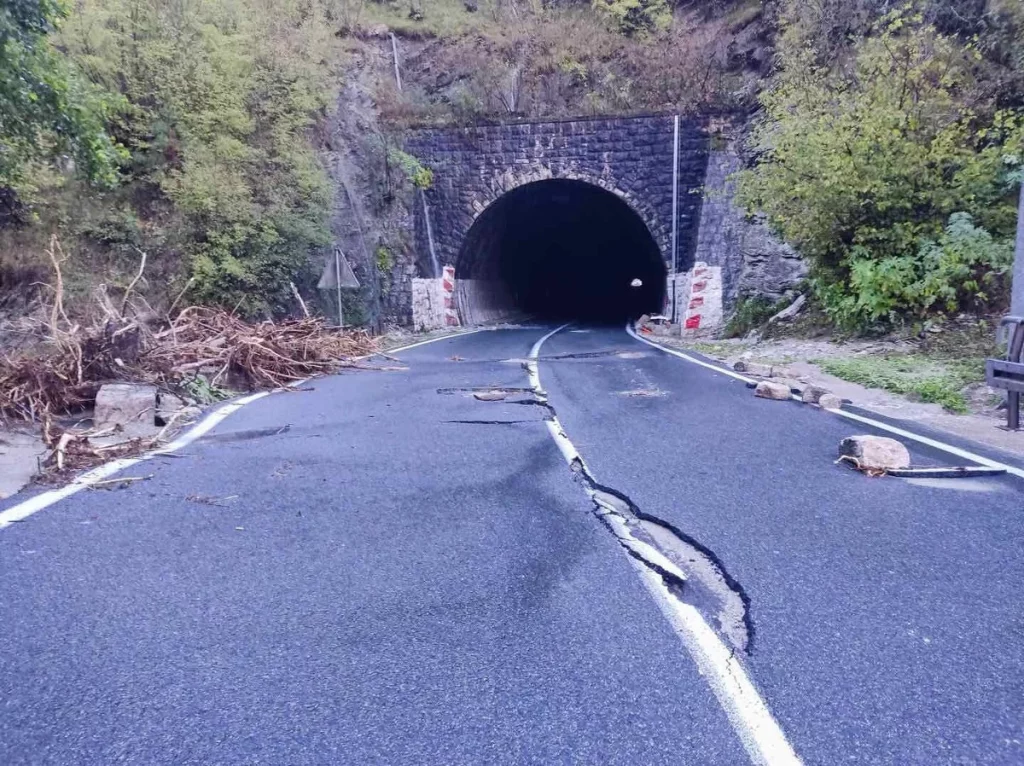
<point x="407" y="574"/>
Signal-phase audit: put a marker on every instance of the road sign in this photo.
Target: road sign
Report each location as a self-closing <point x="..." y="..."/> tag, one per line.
<point x="337" y="273"/>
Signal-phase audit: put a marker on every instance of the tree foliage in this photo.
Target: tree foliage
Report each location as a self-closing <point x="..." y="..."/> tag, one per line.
<point x="635" y="17"/>
<point x="220" y="98"/>
<point x="46" y="111"/>
<point x="863" y="164"/>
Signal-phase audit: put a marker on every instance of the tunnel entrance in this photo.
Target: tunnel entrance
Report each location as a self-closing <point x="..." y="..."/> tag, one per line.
<point x="560" y="250"/>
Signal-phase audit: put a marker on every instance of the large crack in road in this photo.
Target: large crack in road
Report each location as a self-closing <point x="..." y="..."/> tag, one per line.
<point x="691" y="571"/>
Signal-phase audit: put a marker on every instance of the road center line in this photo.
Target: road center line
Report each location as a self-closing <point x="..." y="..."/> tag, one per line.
<point x="746" y="709"/>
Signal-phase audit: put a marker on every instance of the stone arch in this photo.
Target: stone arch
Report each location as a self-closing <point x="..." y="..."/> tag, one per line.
<point x="501" y="183"/>
<point x="556" y="247"/>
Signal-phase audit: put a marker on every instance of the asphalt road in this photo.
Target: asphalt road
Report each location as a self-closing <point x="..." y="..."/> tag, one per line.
<point x="385" y="569"/>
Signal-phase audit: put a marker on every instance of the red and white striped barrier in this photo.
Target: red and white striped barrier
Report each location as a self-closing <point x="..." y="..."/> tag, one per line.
<point x="451" y="315"/>
<point x="704" y="308"/>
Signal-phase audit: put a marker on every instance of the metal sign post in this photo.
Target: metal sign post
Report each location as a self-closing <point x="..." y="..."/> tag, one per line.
<point x="675" y="214"/>
<point x="337" y="270"/>
<point x="1017" y="283"/>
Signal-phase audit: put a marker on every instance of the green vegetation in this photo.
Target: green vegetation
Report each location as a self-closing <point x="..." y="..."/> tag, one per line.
<point x="749" y="314"/>
<point x="195" y="117"/>
<point x="419" y="176"/>
<point x="218" y="97"/>
<point x="889" y="150"/>
<point x="929" y="379"/>
<point x="635" y="17"/>
<point x="890" y="164"/>
<point x="46" y="111"/>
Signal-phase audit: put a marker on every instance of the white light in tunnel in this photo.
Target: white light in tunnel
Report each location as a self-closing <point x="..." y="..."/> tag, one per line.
<point x="636" y="283"/>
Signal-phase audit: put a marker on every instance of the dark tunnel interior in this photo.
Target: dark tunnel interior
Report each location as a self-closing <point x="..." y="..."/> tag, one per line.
<point x="563" y="250"/>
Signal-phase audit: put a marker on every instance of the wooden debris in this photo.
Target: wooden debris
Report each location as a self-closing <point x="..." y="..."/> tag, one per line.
<point x="118" y="483"/>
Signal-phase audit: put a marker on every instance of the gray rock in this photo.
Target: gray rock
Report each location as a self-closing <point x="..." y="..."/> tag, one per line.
<point x="753" y="368"/>
<point x="830" y="402"/>
<point x="813" y="394"/>
<point x="767" y="389"/>
<point x="168" y="403"/>
<point x="490" y="396"/>
<point x="878" y="453"/>
<point x="129" y="405"/>
<point x="780" y="371"/>
<point x="770" y="267"/>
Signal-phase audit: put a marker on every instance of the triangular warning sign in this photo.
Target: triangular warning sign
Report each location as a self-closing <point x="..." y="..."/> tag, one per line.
<point x="337" y="273"/>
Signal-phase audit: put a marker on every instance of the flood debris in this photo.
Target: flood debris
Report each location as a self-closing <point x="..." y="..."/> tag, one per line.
<point x="121" y="482"/>
<point x="643" y="393"/>
<point x="219" y="502"/>
<point x="946" y="472"/>
<point x="658" y="324"/>
<point x="144" y="374"/>
<point x="495" y="395"/>
<point x="69" y="359"/>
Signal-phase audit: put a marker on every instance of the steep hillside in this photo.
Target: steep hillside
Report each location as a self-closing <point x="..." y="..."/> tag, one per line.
<point x="234" y="142"/>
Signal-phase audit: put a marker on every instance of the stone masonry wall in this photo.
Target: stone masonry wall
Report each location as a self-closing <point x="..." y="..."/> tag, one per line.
<point x="754" y="262"/>
<point x="631" y="157"/>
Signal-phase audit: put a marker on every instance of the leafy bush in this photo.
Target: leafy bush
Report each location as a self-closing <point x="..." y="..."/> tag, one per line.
<point x="750" y="313"/>
<point x="965" y="268"/>
<point x="635" y="17"/>
<point x="46" y="110"/>
<point x="219" y="100"/>
<point x="862" y="167"/>
<point x="415" y="172"/>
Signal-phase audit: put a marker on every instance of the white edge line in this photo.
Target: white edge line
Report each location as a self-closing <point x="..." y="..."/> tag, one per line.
<point x="895" y="430"/>
<point x="23" y="510"/>
<point x="753" y="722"/>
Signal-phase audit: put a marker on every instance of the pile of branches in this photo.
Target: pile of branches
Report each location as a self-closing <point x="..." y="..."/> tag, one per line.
<point x="264" y="355"/>
<point x="62" y="372"/>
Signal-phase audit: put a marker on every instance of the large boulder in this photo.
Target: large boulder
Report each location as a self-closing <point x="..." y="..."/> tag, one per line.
<point x="767" y="389"/>
<point x="131" y="406"/>
<point x="813" y="394"/>
<point x="830" y="402"/>
<point x="874" y="453"/>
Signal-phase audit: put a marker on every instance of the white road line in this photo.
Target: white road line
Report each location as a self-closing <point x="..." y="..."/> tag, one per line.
<point x="760" y="733"/>
<point x="23" y="510"/>
<point x="895" y="430"/>
<point x="428" y="340"/>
